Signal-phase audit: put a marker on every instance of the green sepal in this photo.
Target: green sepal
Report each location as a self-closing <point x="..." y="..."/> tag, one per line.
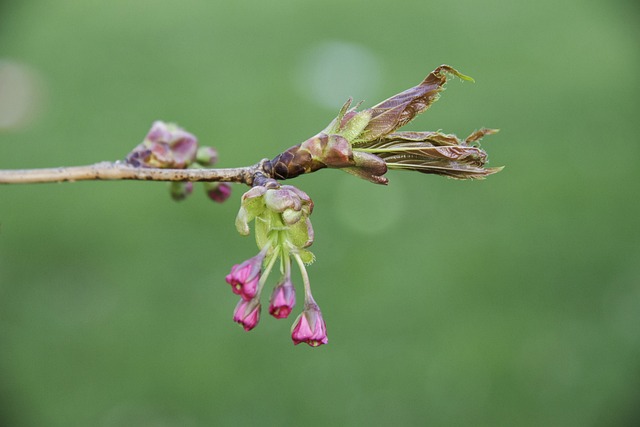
<point x="242" y="222"/>
<point x="306" y="256"/>
<point x="253" y="202"/>
<point x="300" y="234"/>
<point x="262" y="226"/>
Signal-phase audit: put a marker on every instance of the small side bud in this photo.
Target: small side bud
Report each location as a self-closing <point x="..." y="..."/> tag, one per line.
<point x="218" y="192"/>
<point x="291" y="216"/>
<point x="369" y="167"/>
<point x="180" y="190"/>
<point x="207" y="156"/>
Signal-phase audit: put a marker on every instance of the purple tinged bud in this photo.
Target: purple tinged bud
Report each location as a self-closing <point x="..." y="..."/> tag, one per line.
<point x="244" y="277"/>
<point x="288" y="197"/>
<point x="281" y="199"/>
<point x="283" y="299"/>
<point x="165" y="146"/>
<point x="309" y="327"/>
<point x="247" y="313"/>
<point x="220" y="192"/>
<point x="254" y="193"/>
<point x="207" y="156"/>
<point x="184" y="151"/>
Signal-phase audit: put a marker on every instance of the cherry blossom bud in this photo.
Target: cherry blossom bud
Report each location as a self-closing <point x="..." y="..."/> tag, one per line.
<point x="180" y="190"/>
<point x="244" y="277"/>
<point x="281" y="199"/>
<point x="207" y="156"/>
<point x="291" y="216"/>
<point x="309" y="327"/>
<point x="218" y="192"/>
<point x="165" y="146"/>
<point x="247" y="313"/>
<point x="283" y="299"/>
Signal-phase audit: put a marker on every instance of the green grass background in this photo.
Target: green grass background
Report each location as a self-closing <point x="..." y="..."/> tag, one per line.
<point x="510" y="301"/>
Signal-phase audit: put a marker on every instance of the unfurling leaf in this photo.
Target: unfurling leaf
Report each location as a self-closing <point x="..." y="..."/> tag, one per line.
<point x="435" y="153"/>
<point x="366" y="144"/>
<point x="400" y="109"/>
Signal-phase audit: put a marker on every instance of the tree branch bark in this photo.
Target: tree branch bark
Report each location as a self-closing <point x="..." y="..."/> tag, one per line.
<point x="111" y="171"/>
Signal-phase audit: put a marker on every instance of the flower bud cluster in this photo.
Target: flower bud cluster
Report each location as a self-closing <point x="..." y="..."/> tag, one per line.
<point x="168" y="146"/>
<point x="283" y="232"/>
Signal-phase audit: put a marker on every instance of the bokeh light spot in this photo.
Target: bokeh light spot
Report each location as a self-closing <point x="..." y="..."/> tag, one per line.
<point x="332" y="71"/>
<point x="20" y="95"/>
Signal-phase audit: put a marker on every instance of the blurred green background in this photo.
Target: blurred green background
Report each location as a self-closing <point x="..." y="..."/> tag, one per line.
<point x="510" y="301"/>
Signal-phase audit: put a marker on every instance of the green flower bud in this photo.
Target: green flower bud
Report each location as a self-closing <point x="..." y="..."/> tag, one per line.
<point x="207" y="156"/>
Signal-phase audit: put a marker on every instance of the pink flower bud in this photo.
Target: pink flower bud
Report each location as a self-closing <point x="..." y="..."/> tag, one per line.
<point x="283" y="299"/>
<point x="220" y="192"/>
<point x="247" y="313"/>
<point x="244" y="277"/>
<point x="165" y="146"/>
<point x="309" y="327"/>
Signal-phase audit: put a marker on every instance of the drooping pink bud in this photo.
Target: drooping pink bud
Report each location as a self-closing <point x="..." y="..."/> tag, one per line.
<point x="247" y="313"/>
<point x="283" y="299"/>
<point x="219" y="192"/>
<point x="244" y="277"/>
<point x="309" y="327"/>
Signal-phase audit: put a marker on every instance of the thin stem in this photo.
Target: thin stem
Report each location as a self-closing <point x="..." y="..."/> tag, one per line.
<point x="266" y="272"/>
<point x="308" y="298"/>
<point x="122" y="171"/>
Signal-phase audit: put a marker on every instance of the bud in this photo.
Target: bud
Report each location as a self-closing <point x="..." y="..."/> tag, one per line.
<point x="281" y="199"/>
<point x="318" y="152"/>
<point x="165" y="146"/>
<point x="288" y="197"/>
<point x="244" y="278"/>
<point x="285" y="209"/>
<point x="283" y="299"/>
<point x="370" y="167"/>
<point x="309" y="327"/>
<point x="247" y="313"/>
<point x="207" y="156"/>
<point x="291" y="216"/>
<point x="180" y="190"/>
<point x="218" y="191"/>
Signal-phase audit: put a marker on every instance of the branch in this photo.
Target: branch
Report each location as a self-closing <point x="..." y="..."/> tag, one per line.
<point x="121" y="171"/>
